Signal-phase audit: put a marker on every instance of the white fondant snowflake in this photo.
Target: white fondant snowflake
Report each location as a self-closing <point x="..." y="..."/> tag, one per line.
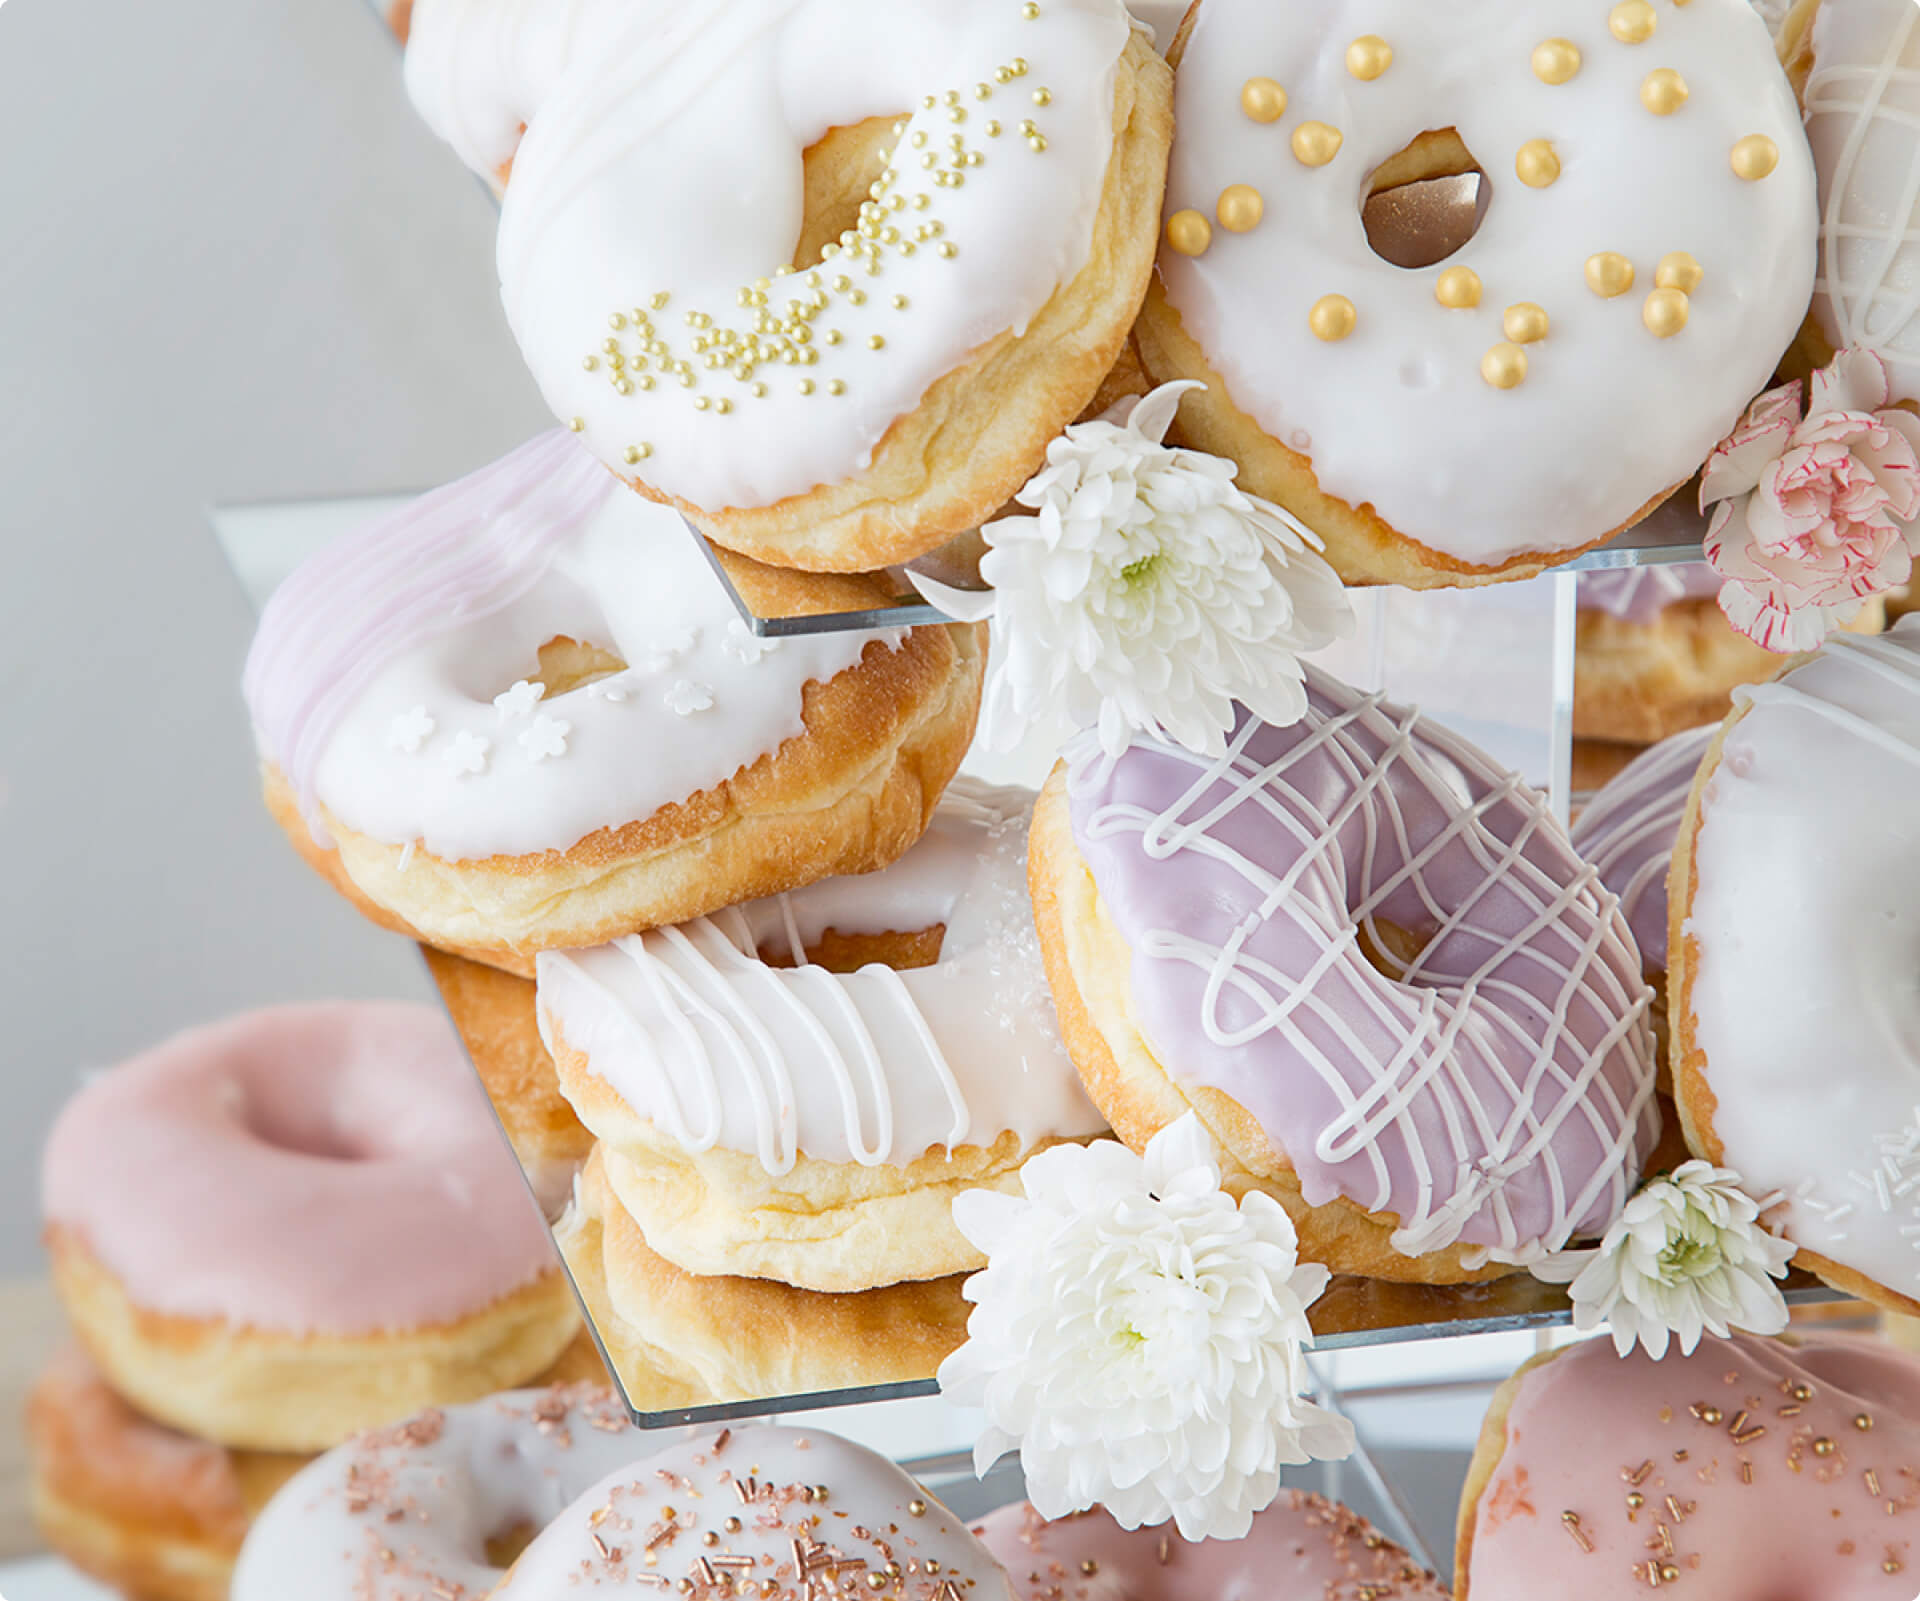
<point x="669" y="648"/>
<point x="1687" y="1256"/>
<point x="519" y="700"/>
<point x="1147" y="593"/>
<point x="745" y="646"/>
<point x="410" y="729"/>
<point x="1139" y="1338"/>
<point x="688" y="696"/>
<point x="468" y="753"/>
<point x="547" y="737"/>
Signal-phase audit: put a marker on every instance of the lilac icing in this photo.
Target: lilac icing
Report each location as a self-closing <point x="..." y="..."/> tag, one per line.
<point x="1628" y="830"/>
<point x="1499" y="1093"/>
<point x="1641" y="594"/>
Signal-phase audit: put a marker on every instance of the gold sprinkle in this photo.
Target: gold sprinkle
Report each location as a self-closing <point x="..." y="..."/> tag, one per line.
<point x="1668" y="1573"/>
<point x="1316" y="143"/>
<point x="1635" y="1500"/>
<point x="1823" y="1446"/>
<point x="1609" y="274"/>
<point x="1504" y="366"/>
<point x="1637" y="1475"/>
<point x="1632" y="21"/>
<point x="1189" y="233"/>
<point x="1872" y="1482"/>
<point x="1678" y="270"/>
<point x="1571" y="1522"/>
<point x="1746" y="1471"/>
<point x="1750" y="1435"/>
<point x="1368" y="57"/>
<point x="577" y="424"/>
<point x="1333" y="318"/>
<point x="806" y="388"/>
<point x="1458" y="288"/>
<point x="1043" y="97"/>
<point x="1705" y="1412"/>
<point x="1665" y="313"/>
<point x="1036" y="142"/>
<point x="1862" y="1421"/>
<point x="1089" y="1567"/>
<point x="1663" y="91"/>
<point x="1754" y="157"/>
<point x="836" y="387"/>
<point x="916" y="1508"/>
<point x="876" y="342"/>
<point x="1263" y="100"/>
<point x="617" y="320"/>
<point x="1536" y="165"/>
<point x="635" y="454"/>
<point x="1556" y="61"/>
<point x="1030" y="11"/>
<point x="1240" y="208"/>
<point x="589" y="362"/>
<point x="1802" y="1392"/>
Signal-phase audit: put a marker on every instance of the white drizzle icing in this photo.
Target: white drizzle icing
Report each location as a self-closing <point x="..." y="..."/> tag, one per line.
<point x="1807" y="927"/>
<point x="1863" y="122"/>
<point x="1508" y="1070"/>
<point x="716" y="1048"/>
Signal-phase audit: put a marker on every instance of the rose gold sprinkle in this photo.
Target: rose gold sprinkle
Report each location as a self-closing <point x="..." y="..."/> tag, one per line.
<point x="1873" y="1482"/>
<point x="1166" y="1550"/>
<point x="1572" y="1522"/>
<point x="1746" y="1471"/>
<point x="1666" y="1414"/>
<point x="1637" y="1475"/>
<point x="1679" y="1510"/>
<point x="1750" y="1435"/>
<point x="1666" y="1539"/>
<point x="946" y="1590"/>
<point x="720" y="1441"/>
<point x="1789" y="1411"/>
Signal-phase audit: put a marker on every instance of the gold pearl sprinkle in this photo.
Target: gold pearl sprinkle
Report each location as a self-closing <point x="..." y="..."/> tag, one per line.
<point x="1263" y="100"/>
<point x="635" y="454"/>
<point x="1536" y="165"/>
<point x="1665" y="313"/>
<point x="577" y="424"/>
<point x="1368" y="57"/>
<point x="1862" y="1422"/>
<point x="1036" y="141"/>
<point x="1823" y="1446"/>
<point x="876" y="342"/>
<point x="1755" y="157"/>
<point x="1504" y="366"/>
<point x="1240" y="208"/>
<point x="1316" y="143"/>
<point x="1678" y="270"/>
<point x="1043" y="97"/>
<point x="1632" y="21"/>
<point x="1333" y="318"/>
<point x="1556" y="60"/>
<point x="806" y="386"/>
<point x="1526" y="323"/>
<point x="1609" y="274"/>
<point x="1189" y="233"/>
<point x="1458" y="289"/>
<point x="1030" y="11"/>
<point x="835" y="387"/>
<point x="916" y="1509"/>
<point x="617" y="320"/>
<point x="1663" y="91"/>
<point x="589" y="362"/>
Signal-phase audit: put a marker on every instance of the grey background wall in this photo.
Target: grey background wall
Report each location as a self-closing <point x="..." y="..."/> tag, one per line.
<point x="232" y="266"/>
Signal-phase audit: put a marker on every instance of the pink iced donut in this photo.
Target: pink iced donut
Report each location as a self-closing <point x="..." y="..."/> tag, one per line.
<point x="1372" y="962"/>
<point x="276" y="1229"/>
<point x="1302" y="1548"/>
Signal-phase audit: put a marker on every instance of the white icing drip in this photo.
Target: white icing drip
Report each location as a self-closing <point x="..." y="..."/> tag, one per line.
<point x="1863" y="122"/>
<point x="432" y="1496"/>
<point x="1447" y="1023"/>
<point x="1398" y="414"/>
<point x="491" y="781"/>
<point x="1805" y="1000"/>
<point x="616" y="198"/>
<point x="701" y="1037"/>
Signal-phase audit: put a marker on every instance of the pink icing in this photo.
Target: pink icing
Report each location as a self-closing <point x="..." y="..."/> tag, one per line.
<point x="1641" y="594"/>
<point x="463" y="553"/>
<point x="1628" y="832"/>
<point x="1748" y="1457"/>
<point x="328" y="1169"/>
<point x="1302" y="1548"/>
<point x="1499" y="1092"/>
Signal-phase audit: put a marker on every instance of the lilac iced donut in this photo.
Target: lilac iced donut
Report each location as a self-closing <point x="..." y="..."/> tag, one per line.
<point x="1374" y="964"/>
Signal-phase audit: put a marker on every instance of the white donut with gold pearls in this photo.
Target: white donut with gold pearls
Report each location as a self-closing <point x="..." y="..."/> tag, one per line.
<point x="1647" y="254"/>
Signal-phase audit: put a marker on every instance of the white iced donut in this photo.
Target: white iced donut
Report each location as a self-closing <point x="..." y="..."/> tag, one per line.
<point x="1859" y="65"/>
<point x="1794" y="1009"/>
<point x="970" y="190"/>
<point x="1646" y="256"/>
<point x="408" y="1512"/>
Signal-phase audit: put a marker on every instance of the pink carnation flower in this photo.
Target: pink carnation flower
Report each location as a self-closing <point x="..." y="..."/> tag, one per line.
<point x="1814" y="513"/>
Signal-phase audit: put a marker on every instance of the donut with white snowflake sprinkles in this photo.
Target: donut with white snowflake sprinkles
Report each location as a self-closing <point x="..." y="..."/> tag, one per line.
<point x="523" y="713"/>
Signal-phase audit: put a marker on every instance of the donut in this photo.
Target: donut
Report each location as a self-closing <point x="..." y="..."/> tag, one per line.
<point x="1487" y="414"/>
<point x="1301" y="1548"/>
<point x="812" y="1125"/>
<point x="1857" y="67"/>
<point x="795" y="1512"/>
<point x="678" y="1339"/>
<point x="523" y="713"/>
<point x="494" y="1014"/>
<point x="1792" y="931"/>
<point x="275" y="1229"/>
<point x="1753" y="1467"/>
<point x="424" y="1509"/>
<point x="964" y="195"/>
<point x="1372" y="963"/>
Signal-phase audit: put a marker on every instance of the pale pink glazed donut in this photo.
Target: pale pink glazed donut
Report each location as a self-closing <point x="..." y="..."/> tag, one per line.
<point x="1302" y="1548"/>
<point x="276" y="1229"/>
<point x="1753" y="1470"/>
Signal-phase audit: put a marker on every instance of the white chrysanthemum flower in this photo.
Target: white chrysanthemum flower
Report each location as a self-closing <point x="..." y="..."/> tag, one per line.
<point x="1147" y="593"/>
<point x="1138" y="1337"/>
<point x="1687" y="1256"/>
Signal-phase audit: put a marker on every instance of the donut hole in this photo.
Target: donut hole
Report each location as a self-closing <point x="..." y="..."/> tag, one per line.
<point x="504" y="1548"/>
<point x="1390" y="949"/>
<point x="841" y="169"/>
<point x="1426" y="201"/>
<point x="569" y="664"/>
<point x="302" y="1130"/>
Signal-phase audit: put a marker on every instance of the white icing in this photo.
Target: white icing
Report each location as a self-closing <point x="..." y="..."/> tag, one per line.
<point x="1807" y="926"/>
<point x="491" y="779"/>
<point x="405" y="1513"/>
<point x="1863" y="122"/>
<point x="798" y="1511"/>
<point x="715" y="1048"/>
<point x="1398" y="414"/>
<point x="669" y="162"/>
